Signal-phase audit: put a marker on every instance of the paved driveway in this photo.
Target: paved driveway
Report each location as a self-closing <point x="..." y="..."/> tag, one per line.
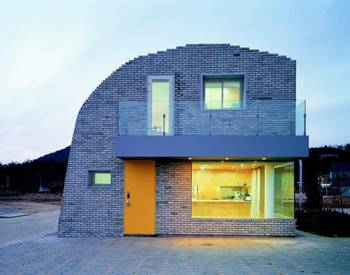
<point x="49" y="254"/>
<point x="40" y="219"/>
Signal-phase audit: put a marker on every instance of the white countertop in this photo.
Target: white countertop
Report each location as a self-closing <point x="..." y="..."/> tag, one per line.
<point x="220" y="201"/>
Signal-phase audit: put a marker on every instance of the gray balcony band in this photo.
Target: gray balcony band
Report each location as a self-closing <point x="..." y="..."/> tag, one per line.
<point x="212" y="146"/>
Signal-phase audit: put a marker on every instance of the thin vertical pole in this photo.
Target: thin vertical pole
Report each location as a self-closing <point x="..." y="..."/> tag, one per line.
<point x="300" y="184"/>
<point x="210" y="123"/>
<point x="304" y="118"/>
<point x="164" y="124"/>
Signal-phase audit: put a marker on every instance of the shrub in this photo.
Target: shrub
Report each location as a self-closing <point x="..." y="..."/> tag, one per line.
<point x="324" y="222"/>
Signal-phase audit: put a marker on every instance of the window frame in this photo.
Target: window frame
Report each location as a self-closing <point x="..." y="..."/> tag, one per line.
<point x="91" y="182"/>
<point x="222" y="78"/>
<point x="150" y="79"/>
<point x="279" y="164"/>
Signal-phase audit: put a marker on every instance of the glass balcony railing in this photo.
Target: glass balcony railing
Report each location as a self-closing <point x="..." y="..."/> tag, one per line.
<point x="183" y="118"/>
<point x="300" y="118"/>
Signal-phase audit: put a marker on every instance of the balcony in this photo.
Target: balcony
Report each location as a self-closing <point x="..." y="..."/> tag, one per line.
<point x="259" y="128"/>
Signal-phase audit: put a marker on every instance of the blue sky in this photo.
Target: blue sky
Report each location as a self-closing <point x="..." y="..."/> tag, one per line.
<point x="54" y="53"/>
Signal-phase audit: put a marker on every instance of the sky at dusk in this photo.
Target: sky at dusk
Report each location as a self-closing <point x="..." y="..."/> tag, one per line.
<point x="53" y="54"/>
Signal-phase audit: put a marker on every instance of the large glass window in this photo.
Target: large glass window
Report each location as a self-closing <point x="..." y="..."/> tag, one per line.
<point x="222" y="93"/>
<point x="238" y="190"/>
<point x="160" y="105"/>
<point x="284" y="191"/>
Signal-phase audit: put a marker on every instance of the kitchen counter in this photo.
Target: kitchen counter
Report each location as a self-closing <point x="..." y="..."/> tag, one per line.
<point x="221" y="208"/>
<point x="220" y="201"/>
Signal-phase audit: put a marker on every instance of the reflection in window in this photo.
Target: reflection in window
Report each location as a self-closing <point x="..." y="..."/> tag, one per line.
<point x="213" y="95"/>
<point x="239" y="190"/>
<point x="284" y="191"/>
<point x="231" y="95"/>
<point x="222" y="94"/>
<point x="160" y="107"/>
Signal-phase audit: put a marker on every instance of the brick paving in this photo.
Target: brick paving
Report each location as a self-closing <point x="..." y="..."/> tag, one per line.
<point x="29" y="245"/>
<point x="306" y="254"/>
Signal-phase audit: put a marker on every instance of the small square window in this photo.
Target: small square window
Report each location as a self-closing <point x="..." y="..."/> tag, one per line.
<point x="100" y="177"/>
<point x="223" y="93"/>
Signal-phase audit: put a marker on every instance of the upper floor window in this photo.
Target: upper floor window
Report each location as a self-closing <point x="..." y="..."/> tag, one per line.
<point x="160" y="105"/>
<point x="223" y="93"/>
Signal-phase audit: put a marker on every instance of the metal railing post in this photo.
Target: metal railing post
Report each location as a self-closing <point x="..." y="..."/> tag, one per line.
<point x="210" y="124"/>
<point x="164" y="124"/>
<point x="304" y="118"/>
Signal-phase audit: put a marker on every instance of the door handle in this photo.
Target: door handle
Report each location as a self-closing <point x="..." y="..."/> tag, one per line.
<point x="127" y="203"/>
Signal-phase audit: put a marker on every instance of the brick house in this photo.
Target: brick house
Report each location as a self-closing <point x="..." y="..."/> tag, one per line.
<point x="197" y="140"/>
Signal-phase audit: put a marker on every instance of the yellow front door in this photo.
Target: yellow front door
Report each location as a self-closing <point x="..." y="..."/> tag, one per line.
<point x="139" y="197"/>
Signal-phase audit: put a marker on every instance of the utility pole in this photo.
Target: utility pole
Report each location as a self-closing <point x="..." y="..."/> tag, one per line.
<point x="300" y="184"/>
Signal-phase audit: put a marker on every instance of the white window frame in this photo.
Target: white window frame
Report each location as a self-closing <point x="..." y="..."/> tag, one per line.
<point x="222" y="78"/>
<point x="150" y="79"/>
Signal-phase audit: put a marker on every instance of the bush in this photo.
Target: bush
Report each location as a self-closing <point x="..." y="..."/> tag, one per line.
<point x="324" y="222"/>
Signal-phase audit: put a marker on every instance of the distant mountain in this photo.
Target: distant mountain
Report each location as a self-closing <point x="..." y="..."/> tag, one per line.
<point x="58" y="156"/>
<point x="47" y="171"/>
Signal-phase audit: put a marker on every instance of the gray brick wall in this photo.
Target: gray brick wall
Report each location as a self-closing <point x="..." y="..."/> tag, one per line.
<point x="98" y="211"/>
